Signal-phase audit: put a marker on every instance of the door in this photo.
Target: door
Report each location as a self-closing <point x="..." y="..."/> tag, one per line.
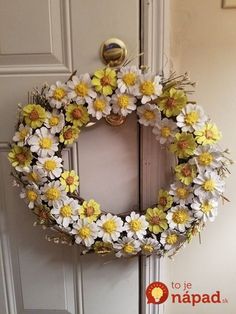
<point x="44" y="40"/>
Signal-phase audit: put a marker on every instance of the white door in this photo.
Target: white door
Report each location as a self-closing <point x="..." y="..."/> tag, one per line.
<point x="44" y="40"/>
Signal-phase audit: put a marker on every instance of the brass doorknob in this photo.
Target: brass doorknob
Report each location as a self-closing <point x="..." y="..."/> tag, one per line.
<point x="113" y="52"/>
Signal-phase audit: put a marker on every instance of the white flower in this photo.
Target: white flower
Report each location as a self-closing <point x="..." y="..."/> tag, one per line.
<point x="100" y="107"/>
<point x="80" y="89"/>
<point x="149" y="246"/>
<point x="208" y="184"/>
<point x="179" y="218"/>
<point x="109" y="227"/>
<point x="55" y="121"/>
<point x="149" y="87"/>
<point x="53" y="193"/>
<point x="165" y="131"/>
<point x="123" y="103"/>
<point x="127" y="79"/>
<point x="183" y="194"/>
<point x="191" y="118"/>
<point x="208" y="157"/>
<point x="22" y="134"/>
<point x="205" y="208"/>
<point x="171" y="239"/>
<point x="31" y="195"/>
<point x="35" y="175"/>
<point x="43" y="143"/>
<point x="135" y="225"/>
<point x="149" y="114"/>
<point x="126" y="247"/>
<point x="52" y="166"/>
<point x="66" y="212"/>
<point x="57" y="95"/>
<point x="85" y="232"/>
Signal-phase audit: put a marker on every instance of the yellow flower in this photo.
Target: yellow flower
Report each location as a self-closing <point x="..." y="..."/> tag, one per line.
<point x="101" y="247"/>
<point x="69" y="134"/>
<point x="184" y="145"/>
<point x="69" y="180"/>
<point x="157" y="220"/>
<point x="186" y="173"/>
<point x="172" y="101"/>
<point x="34" y="115"/>
<point x="165" y="200"/>
<point x="105" y="81"/>
<point x="20" y="158"/>
<point x="90" y="210"/>
<point x="77" y="114"/>
<point x="208" y="135"/>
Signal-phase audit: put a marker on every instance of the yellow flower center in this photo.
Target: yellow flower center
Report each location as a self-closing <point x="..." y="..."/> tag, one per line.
<point x="147" y="88"/>
<point x="89" y="211"/>
<point x="209" y="185"/>
<point x="34" y="115"/>
<point x="81" y="89"/>
<point x="165" y="131"/>
<point x="66" y="211"/>
<point x="23" y="133"/>
<point x="105" y="80"/>
<point x="31" y="195"/>
<point x="180" y="216"/>
<point x="69" y="180"/>
<point x="182" y="193"/>
<point x="50" y="165"/>
<point x="45" y="143"/>
<point x="171" y="239"/>
<point x="135" y="225"/>
<point x="128" y="248"/>
<point x="129" y="79"/>
<point x="123" y="101"/>
<point x="53" y="194"/>
<point x="99" y="105"/>
<point x="84" y="232"/>
<point x="53" y="121"/>
<point x="149" y="115"/>
<point x="59" y="93"/>
<point x="148" y="248"/>
<point x="191" y="118"/>
<point x="205" y="159"/>
<point x="206" y="207"/>
<point x="33" y="176"/>
<point x="109" y="226"/>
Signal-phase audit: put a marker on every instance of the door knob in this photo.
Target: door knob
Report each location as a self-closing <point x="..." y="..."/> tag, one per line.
<point x="113" y="52"/>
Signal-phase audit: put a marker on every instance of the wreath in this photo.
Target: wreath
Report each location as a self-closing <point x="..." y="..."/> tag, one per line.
<point x="56" y="115"/>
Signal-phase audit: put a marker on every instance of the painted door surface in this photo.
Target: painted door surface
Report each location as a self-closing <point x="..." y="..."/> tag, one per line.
<point x="44" y="40"/>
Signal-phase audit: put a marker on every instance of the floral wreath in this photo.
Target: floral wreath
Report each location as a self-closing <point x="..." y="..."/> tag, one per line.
<point x="53" y="120"/>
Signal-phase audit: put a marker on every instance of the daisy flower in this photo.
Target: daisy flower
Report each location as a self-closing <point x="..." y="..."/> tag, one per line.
<point x="85" y="232"/>
<point x="22" y="134"/>
<point x="156" y="218"/>
<point x="53" y="193"/>
<point x="90" y="210"/>
<point x="172" y="101"/>
<point x="80" y="89"/>
<point x="209" y="184"/>
<point x="179" y="218"/>
<point x="104" y="81"/>
<point x="123" y="104"/>
<point x="109" y="227"/>
<point x="55" y="121"/>
<point x="135" y="225"/>
<point x="207" y="157"/>
<point x="77" y="114"/>
<point x="34" y="115"/>
<point x="164" y="200"/>
<point x="205" y="208"/>
<point x="70" y="180"/>
<point x="148" y="114"/>
<point x="52" y="166"/>
<point x="57" y="95"/>
<point x="100" y="107"/>
<point x="185" y="173"/>
<point x="43" y="143"/>
<point x="128" y="79"/>
<point x="31" y="195"/>
<point x="209" y="134"/>
<point x="165" y="131"/>
<point x="191" y="118"/>
<point x="67" y="212"/>
<point x="184" y="145"/>
<point x="20" y="158"/>
<point x="181" y="192"/>
<point x="126" y="247"/>
<point x="69" y="134"/>
<point x="170" y="239"/>
<point x="35" y="175"/>
<point x="149" y="246"/>
<point x="149" y="87"/>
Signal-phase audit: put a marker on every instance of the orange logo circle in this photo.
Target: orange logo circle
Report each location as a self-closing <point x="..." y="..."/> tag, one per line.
<point x="157" y="292"/>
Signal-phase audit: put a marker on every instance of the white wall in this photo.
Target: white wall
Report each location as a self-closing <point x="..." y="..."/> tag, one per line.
<point x="203" y="42"/>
